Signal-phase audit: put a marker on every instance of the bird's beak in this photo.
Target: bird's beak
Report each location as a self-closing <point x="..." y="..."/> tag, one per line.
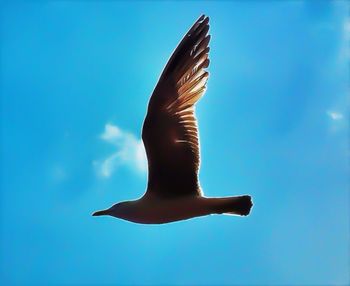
<point x="98" y="213"/>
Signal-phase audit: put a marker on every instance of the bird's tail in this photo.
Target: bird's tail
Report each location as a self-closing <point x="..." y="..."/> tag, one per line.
<point x="240" y="205"/>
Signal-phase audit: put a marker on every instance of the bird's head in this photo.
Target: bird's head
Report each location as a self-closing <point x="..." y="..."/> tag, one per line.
<point x="118" y="210"/>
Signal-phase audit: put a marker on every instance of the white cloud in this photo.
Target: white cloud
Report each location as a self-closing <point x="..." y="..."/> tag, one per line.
<point x="334" y="115"/>
<point x="130" y="152"/>
<point x="111" y="133"/>
<point x="337" y="123"/>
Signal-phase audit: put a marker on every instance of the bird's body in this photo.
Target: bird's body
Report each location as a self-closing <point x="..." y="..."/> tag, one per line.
<point x="170" y="136"/>
<point x="154" y="210"/>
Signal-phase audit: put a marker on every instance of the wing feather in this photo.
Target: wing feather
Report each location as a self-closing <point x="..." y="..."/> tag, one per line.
<point x="170" y="131"/>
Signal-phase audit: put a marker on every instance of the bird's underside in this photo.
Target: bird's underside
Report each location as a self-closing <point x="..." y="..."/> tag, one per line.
<point x="171" y="140"/>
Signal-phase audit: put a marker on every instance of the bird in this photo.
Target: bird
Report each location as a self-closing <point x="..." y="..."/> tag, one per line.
<point x="171" y="140"/>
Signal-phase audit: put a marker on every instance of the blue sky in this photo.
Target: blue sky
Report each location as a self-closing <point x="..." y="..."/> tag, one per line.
<point x="75" y="81"/>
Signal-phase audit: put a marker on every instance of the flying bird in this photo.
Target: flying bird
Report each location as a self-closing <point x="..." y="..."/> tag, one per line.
<point x="170" y="137"/>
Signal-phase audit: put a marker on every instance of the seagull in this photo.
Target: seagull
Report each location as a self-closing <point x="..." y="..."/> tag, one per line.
<point x="170" y="137"/>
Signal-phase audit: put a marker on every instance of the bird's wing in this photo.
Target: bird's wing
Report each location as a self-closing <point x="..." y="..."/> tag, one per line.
<point x="170" y="132"/>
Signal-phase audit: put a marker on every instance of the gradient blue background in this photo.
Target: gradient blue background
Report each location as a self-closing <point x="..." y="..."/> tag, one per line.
<point x="278" y="70"/>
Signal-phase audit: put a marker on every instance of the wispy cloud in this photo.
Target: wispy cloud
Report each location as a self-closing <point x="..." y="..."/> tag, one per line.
<point x="344" y="53"/>
<point x="58" y="174"/>
<point x="337" y="123"/>
<point x="335" y="115"/>
<point x="129" y="152"/>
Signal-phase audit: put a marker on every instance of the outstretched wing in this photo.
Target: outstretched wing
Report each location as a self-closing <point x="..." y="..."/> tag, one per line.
<point x="170" y="132"/>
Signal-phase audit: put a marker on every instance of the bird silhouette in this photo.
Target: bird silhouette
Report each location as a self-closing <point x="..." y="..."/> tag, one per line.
<point x="170" y="137"/>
